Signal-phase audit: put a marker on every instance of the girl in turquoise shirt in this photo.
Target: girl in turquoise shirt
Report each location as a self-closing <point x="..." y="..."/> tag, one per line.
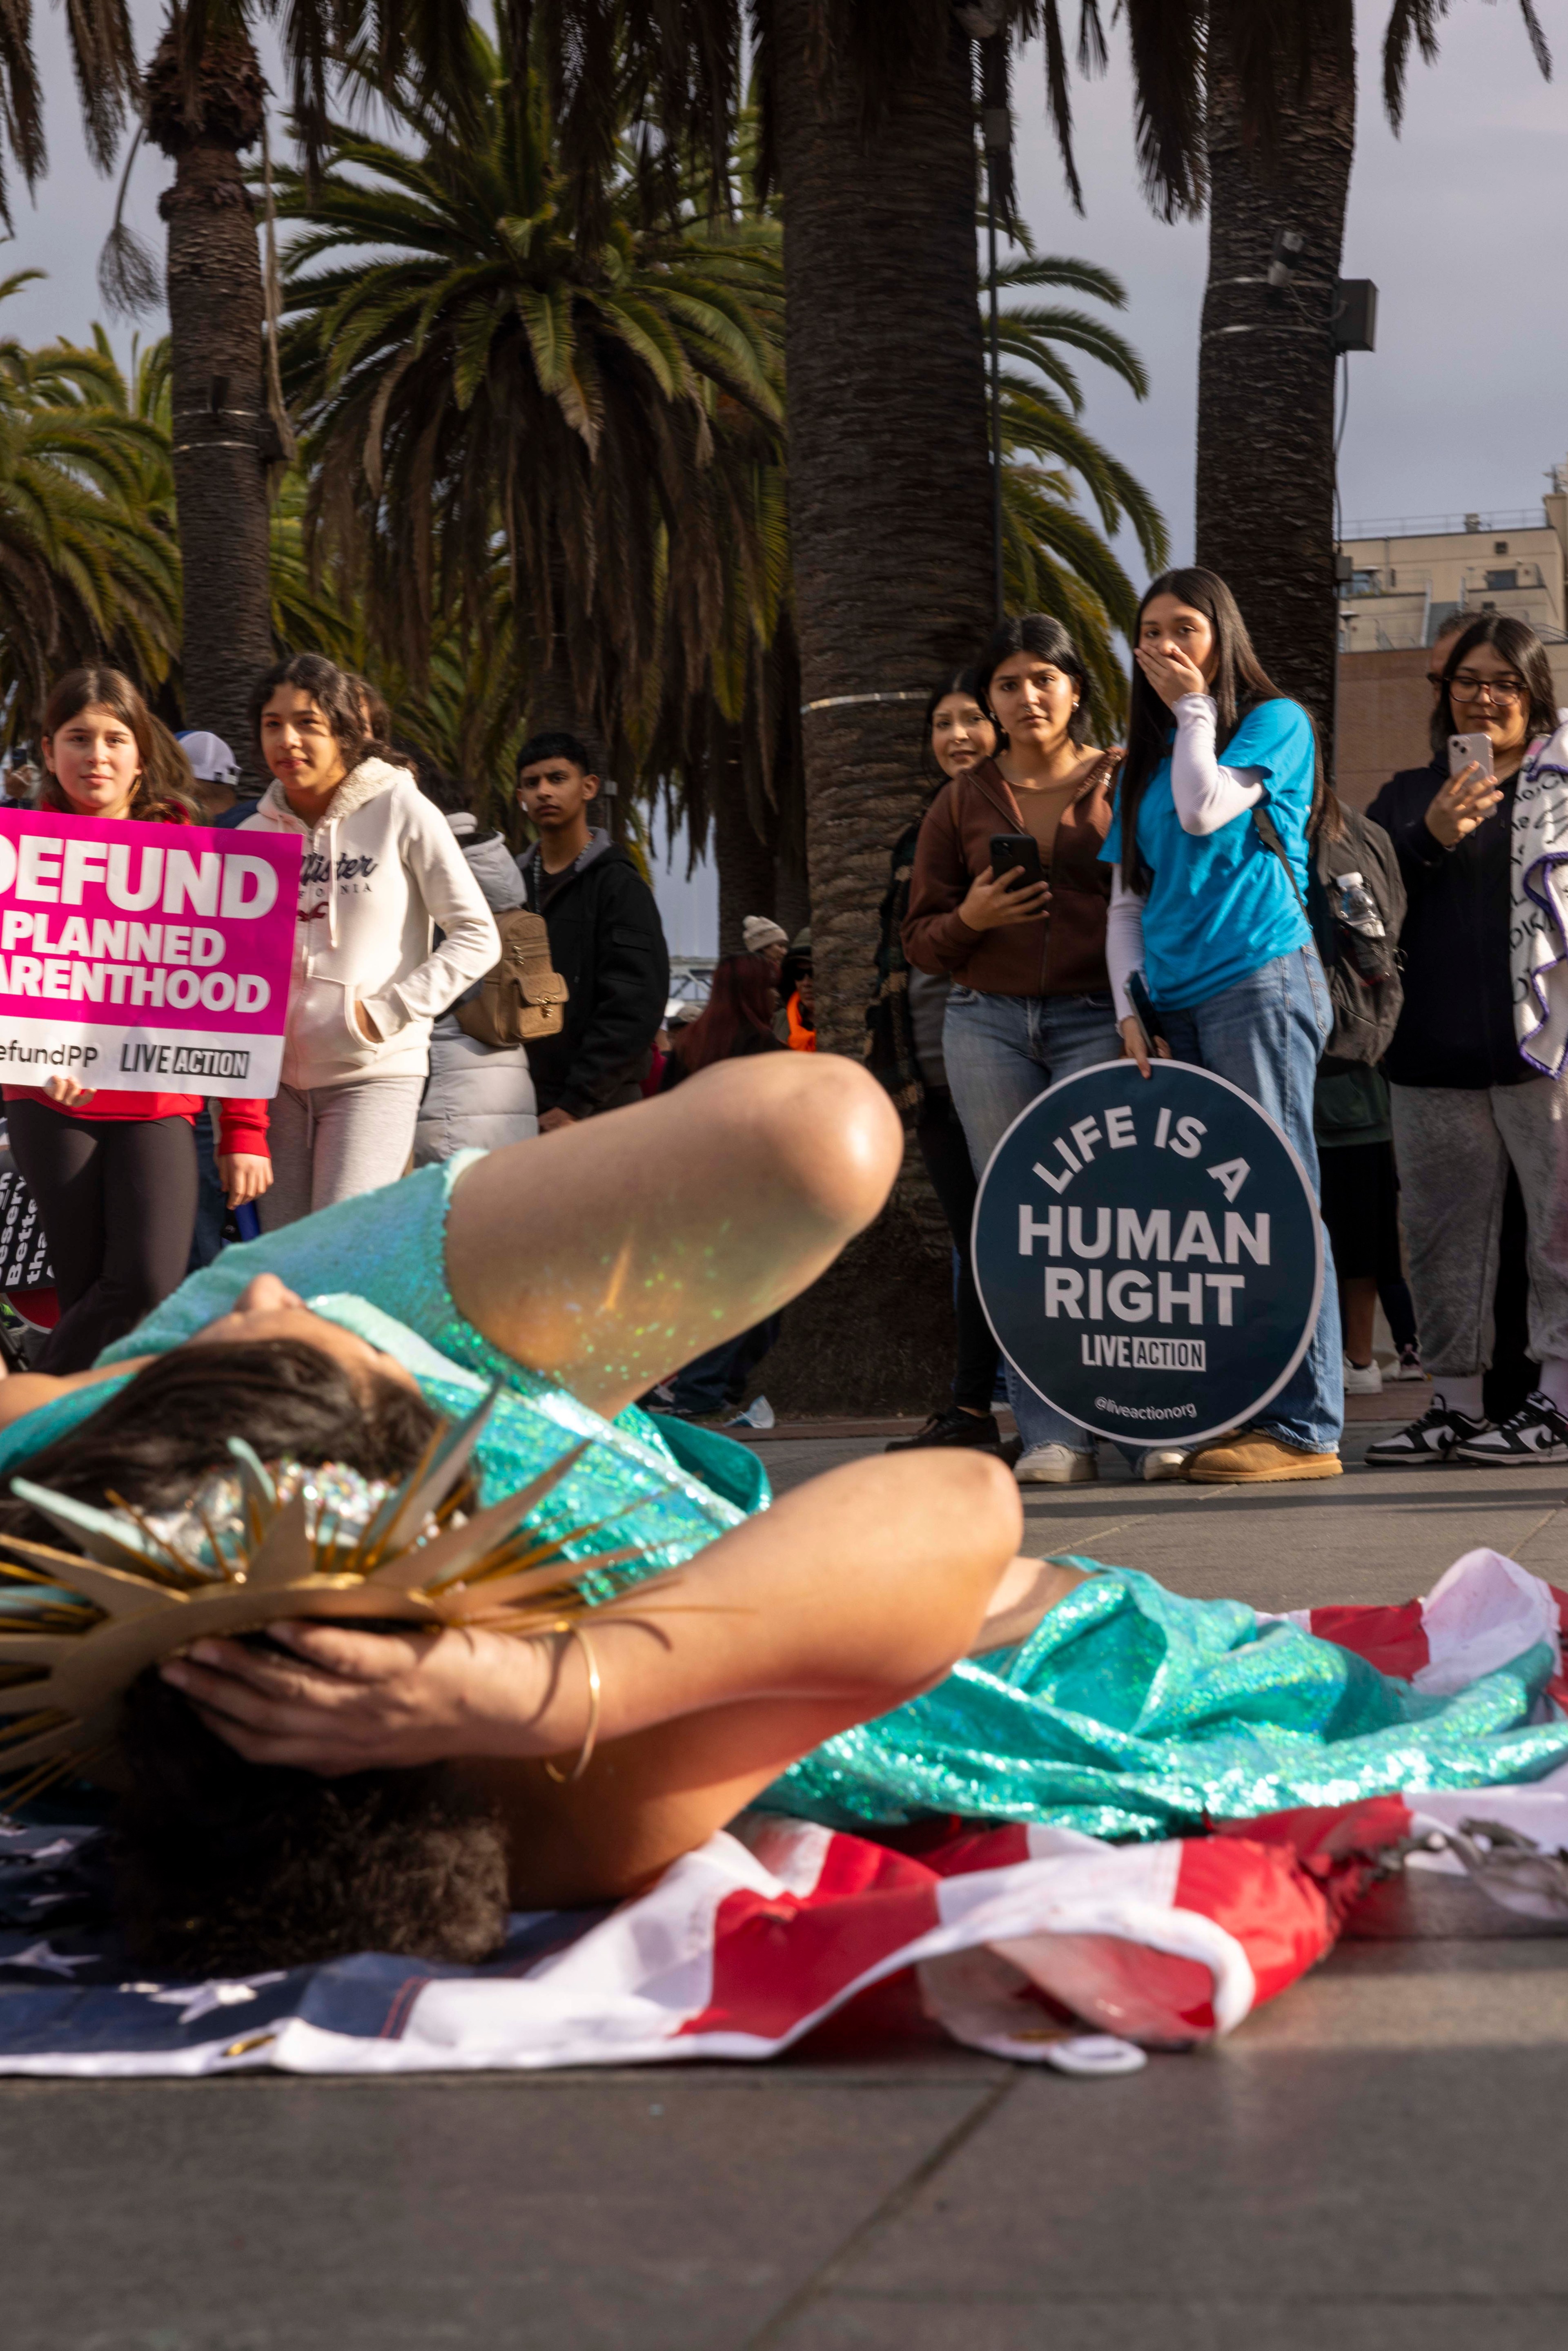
<point x="1213" y="917"/>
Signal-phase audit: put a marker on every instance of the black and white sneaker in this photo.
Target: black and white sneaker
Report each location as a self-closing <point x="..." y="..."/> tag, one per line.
<point x="1537" y="1433"/>
<point x="1440" y="1433"/>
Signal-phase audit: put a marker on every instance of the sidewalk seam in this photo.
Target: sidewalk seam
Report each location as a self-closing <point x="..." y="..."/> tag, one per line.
<point x="896" y="2201"/>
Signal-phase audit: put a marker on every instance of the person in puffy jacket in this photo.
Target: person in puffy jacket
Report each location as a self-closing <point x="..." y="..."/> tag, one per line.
<point x="114" y="1174"/>
<point x="479" y="1097"/>
<point x="381" y="867"/>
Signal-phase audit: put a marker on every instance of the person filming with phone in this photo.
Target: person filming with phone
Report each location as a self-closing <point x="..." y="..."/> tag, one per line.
<point x="1466" y="1103"/>
<point x="1008" y="901"/>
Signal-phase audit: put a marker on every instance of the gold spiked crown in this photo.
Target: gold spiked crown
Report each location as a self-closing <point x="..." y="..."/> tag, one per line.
<point x="255" y="1545"/>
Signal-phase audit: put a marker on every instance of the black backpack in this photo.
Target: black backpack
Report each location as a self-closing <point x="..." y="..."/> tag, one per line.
<point x="1364" y="989"/>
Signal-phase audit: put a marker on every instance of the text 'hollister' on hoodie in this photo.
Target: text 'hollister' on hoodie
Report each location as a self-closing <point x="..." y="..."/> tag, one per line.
<point x="378" y="869"/>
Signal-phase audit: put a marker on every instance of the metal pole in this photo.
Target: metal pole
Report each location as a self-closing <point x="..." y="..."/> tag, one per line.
<point x="999" y="591"/>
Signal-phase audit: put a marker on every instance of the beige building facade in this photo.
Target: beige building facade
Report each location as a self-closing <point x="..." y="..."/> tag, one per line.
<point x="1406" y="579"/>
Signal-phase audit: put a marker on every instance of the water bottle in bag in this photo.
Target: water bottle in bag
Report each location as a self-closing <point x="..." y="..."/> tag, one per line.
<point x="1357" y="909"/>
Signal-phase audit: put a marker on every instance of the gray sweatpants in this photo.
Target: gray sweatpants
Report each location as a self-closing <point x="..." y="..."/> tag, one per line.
<point x="1453" y="1146"/>
<point x="331" y="1142"/>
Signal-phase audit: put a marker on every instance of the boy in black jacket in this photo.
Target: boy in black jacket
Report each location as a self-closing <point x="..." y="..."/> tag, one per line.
<point x="606" y="940"/>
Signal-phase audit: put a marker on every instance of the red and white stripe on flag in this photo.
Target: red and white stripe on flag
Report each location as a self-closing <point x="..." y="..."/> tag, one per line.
<point x="744" y="1947"/>
<point x="1485" y="1611"/>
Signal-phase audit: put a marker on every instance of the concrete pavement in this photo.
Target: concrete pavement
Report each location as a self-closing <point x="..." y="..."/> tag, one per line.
<point x="1371" y="2161"/>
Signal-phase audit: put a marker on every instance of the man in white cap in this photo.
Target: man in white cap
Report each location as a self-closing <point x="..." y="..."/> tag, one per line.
<point x="762" y="937"/>
<point x="217" y="775"/>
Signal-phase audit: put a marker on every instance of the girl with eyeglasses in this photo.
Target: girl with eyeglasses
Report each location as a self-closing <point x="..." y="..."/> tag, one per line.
<point x="1465" y="1105"/>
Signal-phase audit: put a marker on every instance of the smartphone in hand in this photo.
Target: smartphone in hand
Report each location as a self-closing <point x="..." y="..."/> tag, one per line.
<point x="1015" y="852"/>
<point x="1149" y="1018"/>
<point x="1463" y="749"/>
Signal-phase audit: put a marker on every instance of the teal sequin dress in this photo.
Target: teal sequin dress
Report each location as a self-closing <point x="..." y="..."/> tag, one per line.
<point x="1129" y="1712"/>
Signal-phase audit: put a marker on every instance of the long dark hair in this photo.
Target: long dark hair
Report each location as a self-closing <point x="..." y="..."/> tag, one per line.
<point x="1516" y="642"/>
<point x="738" y="1007"/>
<point x="1047" y="640"/>
<point x="225" y="1867"/>
<point x="962" y="680"/>
<point x="169" y="1427"/>
<point x="351" y="706"/>
<point x="165" y="789"/>
<point x="1239" y="684"/>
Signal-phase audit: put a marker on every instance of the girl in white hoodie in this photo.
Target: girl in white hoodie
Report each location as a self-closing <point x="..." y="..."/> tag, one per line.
<point x="380" y="869"/>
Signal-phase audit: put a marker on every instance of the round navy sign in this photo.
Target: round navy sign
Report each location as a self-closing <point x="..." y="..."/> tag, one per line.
<point x="1148" y="1252"/>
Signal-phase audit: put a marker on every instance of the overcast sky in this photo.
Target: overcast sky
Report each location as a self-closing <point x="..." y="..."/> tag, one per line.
<point x="1461" y="406"/>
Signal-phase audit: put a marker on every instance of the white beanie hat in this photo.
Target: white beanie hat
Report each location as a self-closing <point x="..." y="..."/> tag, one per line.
<point x="758" y="933"/>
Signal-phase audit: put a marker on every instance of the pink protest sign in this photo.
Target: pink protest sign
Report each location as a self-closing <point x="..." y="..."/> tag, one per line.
<point x="152" y="957"/>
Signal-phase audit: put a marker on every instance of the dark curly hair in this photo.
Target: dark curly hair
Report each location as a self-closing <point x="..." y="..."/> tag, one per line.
<point x="223" y="1867"/>
<point x="351" y="704"/>
<point x="227" y="1867"/>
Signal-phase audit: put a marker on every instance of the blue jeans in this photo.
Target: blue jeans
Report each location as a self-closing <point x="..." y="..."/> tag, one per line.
<point x="709" y="1382"/>
<point x="212" y="1206"/>
<point x="1265" y="1035"/>
<point x="1001" y="1052"/>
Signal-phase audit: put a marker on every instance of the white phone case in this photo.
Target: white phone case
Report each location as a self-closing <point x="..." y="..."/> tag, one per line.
<point x="1463" y="749"/>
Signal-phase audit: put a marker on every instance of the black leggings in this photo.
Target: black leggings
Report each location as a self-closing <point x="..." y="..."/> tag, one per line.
<point x="945" y="1151"/>
<point x="116" y="1199"/>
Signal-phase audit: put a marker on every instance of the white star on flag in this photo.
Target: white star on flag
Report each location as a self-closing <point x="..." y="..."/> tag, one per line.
<point x="43" y="1955"/>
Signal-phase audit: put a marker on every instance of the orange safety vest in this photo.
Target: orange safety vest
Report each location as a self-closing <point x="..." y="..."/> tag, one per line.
<point x="802" y="1040"/>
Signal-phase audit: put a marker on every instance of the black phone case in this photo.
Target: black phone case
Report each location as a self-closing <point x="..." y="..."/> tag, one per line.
<point x="1143" y="1004"/>
<point x="1014" y="848"/>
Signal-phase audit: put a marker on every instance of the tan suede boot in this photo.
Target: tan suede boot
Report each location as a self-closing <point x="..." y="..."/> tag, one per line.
<point x="1255" y="1460"/>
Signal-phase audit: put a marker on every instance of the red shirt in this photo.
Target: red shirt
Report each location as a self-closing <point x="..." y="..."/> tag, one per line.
<point x="241" y="1126"/>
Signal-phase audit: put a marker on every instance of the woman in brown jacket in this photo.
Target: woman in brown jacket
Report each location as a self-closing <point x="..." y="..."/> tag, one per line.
<point x="1031" y="1000"/>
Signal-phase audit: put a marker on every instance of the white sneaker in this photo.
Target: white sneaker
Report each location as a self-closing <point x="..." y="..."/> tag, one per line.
<point x="1056" y="1465"/>
<point x="1163" y="1462"/>
<point x="1407" y="1366"/>
<point x="1363" y="1379"/>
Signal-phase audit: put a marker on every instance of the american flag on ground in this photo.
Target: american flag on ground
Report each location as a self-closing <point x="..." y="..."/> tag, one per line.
<point x="1033" y="1943"/>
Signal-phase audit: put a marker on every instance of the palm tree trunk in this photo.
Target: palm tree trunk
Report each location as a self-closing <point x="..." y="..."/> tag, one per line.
<point x="1266" y="373"/>
<point x="889" y="509"/>
<point x="747" y="881"/>
<point x="889" y="482"/>
<point x="221" y="431"/>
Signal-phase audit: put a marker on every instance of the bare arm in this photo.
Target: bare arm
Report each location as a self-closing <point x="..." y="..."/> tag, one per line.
<point x="23" y="1392"/>
<point x="849" y="1597"/>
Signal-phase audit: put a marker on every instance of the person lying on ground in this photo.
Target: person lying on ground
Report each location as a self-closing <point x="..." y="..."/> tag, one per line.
<point x="869" y="1650"/>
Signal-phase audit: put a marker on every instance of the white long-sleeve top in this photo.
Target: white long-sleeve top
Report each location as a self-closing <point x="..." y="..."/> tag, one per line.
<point x="1207" y="796"/>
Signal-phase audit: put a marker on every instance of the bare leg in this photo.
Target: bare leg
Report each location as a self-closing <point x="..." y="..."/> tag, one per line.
<point x="608" y="1252"/>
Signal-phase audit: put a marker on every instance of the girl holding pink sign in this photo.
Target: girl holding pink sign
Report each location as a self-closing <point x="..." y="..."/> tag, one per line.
<point x="114" y="1172"/>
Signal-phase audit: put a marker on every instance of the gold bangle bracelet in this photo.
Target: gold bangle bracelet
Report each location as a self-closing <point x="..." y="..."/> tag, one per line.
<point x="569" y="1779"/>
